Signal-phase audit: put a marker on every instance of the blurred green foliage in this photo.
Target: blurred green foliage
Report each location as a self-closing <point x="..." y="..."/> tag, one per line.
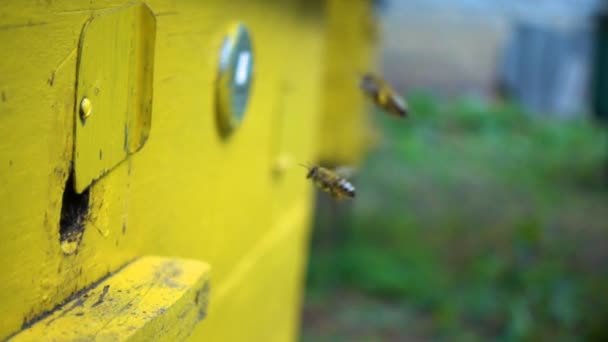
<point x="488" y="222"/>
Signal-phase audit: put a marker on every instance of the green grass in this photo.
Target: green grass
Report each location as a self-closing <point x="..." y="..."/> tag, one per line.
<point x="486" y="221"/>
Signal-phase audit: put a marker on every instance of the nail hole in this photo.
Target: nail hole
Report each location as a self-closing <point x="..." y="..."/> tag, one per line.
<point x="74" y="210"/>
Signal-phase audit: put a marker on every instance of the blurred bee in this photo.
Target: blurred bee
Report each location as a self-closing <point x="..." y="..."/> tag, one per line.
<point x="383" y="95"/>
<point x="331" y="181"/>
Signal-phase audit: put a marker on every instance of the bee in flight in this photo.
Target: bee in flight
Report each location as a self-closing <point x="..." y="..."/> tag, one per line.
<point x="383" y="95"/>
<point x="331" y="181"/>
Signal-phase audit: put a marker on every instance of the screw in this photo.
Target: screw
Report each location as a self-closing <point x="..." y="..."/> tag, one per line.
<point x="86" y="108"/>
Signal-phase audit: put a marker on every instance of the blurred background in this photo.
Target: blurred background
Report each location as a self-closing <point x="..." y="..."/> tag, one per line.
<point x="484" y="215"/>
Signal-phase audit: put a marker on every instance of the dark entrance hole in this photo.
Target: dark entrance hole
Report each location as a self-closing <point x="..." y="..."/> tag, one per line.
<point x="74" y="210"/>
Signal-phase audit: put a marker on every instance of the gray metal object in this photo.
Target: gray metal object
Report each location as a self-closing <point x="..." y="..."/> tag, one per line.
<point x="547" y="70"/>
<point x="235" y="78"/>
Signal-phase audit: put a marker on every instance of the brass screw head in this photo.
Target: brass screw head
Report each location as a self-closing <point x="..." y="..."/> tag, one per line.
<point x="86" y="108"/>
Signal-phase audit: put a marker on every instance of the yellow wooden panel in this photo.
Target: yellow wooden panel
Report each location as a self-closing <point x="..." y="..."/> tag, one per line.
<point x="270" y="280"/>
<point x="297" y="86"/>
<point x="113" y="90"/>
<point x="350" y="37"/>
<point x="152" y="298"/>
<point x="37" y="81"/>
<point x="189" y="192"/>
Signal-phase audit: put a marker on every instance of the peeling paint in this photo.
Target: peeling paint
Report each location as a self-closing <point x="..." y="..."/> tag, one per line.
<point x="147" y="305"/>
<point x="106" y="288"/>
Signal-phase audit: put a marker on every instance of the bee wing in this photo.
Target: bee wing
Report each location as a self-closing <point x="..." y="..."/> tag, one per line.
<point x="400" y="104"/>
<point x="346" y="171"/>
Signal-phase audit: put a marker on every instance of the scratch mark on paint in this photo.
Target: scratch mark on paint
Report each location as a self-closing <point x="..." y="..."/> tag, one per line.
<point x="161" y="14"/>
<point x="60" y="65"/>
<point x="187" y="33"/>
<point x="101" y="296"/>
<point x="128" y="306"/>
<point x="167" y="79"/>
<point x="18" y="26"/>
<point x="126" y="139"/>
<point x="86" y="10"/>
<point x="77" y="303"/>
<point x="75" y="11"/>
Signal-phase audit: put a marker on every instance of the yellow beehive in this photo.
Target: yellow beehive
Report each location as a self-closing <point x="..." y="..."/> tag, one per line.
<point x="229" y="212"/>
<point x="350" y="37"/>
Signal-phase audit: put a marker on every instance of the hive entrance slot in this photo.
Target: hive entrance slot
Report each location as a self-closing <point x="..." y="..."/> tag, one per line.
<point x="74" y="213"/>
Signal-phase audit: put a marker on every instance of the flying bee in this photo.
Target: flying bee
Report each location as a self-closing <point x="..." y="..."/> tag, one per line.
<point x="331" y="181"/>
<point x="383" y="95"/>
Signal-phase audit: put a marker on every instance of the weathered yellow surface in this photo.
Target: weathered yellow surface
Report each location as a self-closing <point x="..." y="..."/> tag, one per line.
<point x="351" y="34"/>
<point x="115" y="74"/>
<point x="152" y="298"/>
<point x="240" y="204"/>
<point x="269" y="279"/>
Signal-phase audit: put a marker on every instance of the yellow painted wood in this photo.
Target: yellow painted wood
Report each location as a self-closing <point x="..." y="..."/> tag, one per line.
<point x="272" y="313"/>
<point x="114" y="90"/>
<point x="37" y="106"/>
<point x="152" y="298"/>
<point x="351" y="35"/>
<point x="240" y="204"/>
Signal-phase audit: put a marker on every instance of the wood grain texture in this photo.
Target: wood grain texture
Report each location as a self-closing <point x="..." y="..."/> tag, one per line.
<point x="115" y="75"/>
<point x="152" y="298"/>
